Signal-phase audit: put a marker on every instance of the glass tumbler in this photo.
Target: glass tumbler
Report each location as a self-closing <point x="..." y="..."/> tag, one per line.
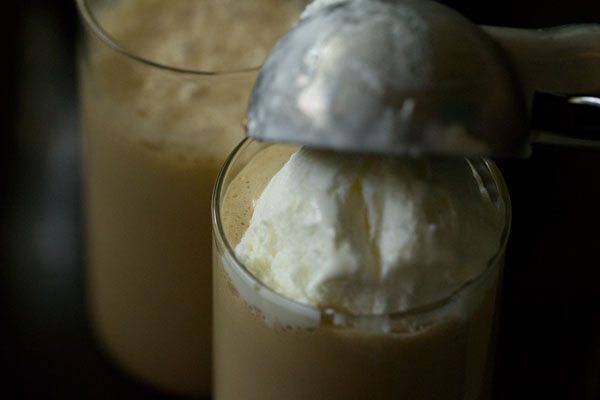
<point x="267" y="346"/>
<point x="163" y="89"/>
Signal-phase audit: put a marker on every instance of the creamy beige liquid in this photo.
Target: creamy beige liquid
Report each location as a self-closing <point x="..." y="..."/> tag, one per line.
<point x="154" y="141"/>
<point x="442" y="356"/>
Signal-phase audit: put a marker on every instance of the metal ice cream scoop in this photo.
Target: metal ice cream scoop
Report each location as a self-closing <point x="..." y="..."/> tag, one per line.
<point x="415" y="77"/>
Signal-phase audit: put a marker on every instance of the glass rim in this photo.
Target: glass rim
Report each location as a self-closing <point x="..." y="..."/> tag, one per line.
<point x="221" y="238"/>
<point x="87" y="15"/>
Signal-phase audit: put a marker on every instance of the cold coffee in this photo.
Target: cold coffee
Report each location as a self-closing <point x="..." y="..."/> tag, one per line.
<point x="164" y="86"/>
<point x="270" y="346"/>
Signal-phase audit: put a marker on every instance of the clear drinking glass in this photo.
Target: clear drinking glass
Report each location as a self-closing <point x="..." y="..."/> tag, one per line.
<point x="163" y="87"/>
<point x="267" y="346"/>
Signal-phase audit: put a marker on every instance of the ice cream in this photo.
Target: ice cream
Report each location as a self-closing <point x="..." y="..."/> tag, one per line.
<point x="371" y="235"/>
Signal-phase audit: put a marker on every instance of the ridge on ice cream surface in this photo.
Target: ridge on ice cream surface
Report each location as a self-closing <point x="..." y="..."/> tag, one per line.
<point x="370" y="234"/>
<point x="316" y="5"/>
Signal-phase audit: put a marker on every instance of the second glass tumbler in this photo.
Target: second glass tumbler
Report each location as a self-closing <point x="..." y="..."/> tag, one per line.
<point x="164" y="86"/>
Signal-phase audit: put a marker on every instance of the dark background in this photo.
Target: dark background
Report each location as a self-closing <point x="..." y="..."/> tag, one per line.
<point x="549" y="338"/>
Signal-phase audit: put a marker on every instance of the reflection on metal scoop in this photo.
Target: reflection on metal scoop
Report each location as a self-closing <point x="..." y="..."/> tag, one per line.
<point x="393" y="77"/>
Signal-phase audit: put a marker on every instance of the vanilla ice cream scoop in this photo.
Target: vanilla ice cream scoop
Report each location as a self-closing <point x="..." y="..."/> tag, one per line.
<point x="371" y="235"/>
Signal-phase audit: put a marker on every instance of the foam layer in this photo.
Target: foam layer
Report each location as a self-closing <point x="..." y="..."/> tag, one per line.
<point x="181" y="116"/>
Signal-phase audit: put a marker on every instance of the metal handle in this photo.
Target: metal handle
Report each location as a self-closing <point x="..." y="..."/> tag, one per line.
<point x="555" y="60"/>
<point x="566" y="120"/>
<point x="549" y="63"/>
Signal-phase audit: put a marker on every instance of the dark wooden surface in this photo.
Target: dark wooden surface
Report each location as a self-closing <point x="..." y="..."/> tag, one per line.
<point x="549" y="339"/>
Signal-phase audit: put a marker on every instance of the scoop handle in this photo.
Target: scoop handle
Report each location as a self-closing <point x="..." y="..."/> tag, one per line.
<point x="559" y="71"/>
<point x="566" y="120"/>
<point x="563" y="59"/>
